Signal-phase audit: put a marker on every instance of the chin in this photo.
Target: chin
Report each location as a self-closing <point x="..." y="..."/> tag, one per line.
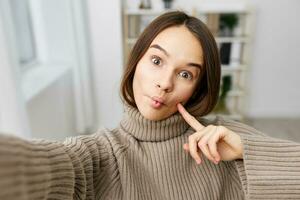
<point x="154" y="115"/>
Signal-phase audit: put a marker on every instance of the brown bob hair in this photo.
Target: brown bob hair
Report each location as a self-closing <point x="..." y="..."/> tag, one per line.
<point x="206" y="93"/>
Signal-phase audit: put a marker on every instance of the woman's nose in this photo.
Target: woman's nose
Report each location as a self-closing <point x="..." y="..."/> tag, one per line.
<point x="165" y="83"/>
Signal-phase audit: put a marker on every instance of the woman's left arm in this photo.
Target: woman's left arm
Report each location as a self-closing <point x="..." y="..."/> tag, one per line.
<point x="269" y="167"/>
<point x="217" y="143"/>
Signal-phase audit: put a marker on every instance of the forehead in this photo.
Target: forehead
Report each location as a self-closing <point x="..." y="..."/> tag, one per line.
<point x="179" y="42"/>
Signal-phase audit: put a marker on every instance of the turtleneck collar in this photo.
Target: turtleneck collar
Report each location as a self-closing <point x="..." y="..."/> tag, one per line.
<point x="152" y="131"/>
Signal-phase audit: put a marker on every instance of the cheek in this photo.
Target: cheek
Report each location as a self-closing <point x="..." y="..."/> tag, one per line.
<point x="141" y="77"/>
<point x="184" y="94"/>
<point x="144" y="73"/>
<point x="136" y="85"/>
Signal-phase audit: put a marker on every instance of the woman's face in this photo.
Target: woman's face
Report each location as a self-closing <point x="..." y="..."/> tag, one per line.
<point x="168" y="72"/>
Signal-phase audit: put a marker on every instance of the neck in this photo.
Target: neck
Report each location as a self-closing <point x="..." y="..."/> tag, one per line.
<point x="148" y="130"/>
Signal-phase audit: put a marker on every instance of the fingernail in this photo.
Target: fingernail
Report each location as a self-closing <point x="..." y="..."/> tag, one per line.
<point x="198" y="161"/>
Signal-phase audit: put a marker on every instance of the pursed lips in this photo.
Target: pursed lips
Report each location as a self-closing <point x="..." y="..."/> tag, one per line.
<point x="159" y="99"/>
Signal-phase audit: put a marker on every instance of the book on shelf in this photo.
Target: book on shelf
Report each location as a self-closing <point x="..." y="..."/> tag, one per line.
<point x="230" y="53"/>
<point x="212" y="22"/>
<point x="133" y="26"/>
<point x="225" y="51"/>
<point x="226" y="25"/>
<point x="145" y="21"/>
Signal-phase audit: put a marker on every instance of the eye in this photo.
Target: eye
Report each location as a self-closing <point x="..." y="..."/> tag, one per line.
<point x="186" y="75"/>
<point x="156" y="60"/>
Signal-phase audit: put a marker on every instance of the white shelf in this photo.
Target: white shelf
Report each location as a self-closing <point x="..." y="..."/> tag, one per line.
<point x="236" y="93"/>
<point x="225" y="7"/>
<point x="227" y="69"/>
<point x="130" y="40"/>
<point x="38" y="78"/>
<point x="232" y="116"/>
<point x="150" y="12"/>
<point x="239" y="39"/>
<point x="203" y="8"/>
<point x="240" y="48"/>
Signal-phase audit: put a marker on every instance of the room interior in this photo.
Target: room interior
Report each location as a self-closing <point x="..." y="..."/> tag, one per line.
<point x="62" y="60"/>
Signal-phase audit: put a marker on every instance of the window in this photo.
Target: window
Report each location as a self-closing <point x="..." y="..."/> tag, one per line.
<point x="26" y="46"/>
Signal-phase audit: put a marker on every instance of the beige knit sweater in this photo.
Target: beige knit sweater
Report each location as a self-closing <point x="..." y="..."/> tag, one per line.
<point x="142" y="160"/>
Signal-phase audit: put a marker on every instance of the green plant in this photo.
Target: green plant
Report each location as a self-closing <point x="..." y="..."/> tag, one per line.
<point x="228" y="20"/>
<point x="225" y="88"/>
<point x="167" y="3"/>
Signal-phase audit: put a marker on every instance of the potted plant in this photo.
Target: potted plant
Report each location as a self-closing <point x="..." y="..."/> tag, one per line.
<point x="145" y="4"/>
<point x="227" y="24"/>
<point x="167" y="4"/>
<point x="221" y="106"/>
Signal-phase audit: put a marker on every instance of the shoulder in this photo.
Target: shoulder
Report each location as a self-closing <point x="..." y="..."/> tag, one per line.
<point x="236" y="126"/>
<point x="102" y="144"/>
<point x="95" y="143"/>
<point x="100" y="137"/>
<point x="112" y="139"/>
<point x="239" y="126"/>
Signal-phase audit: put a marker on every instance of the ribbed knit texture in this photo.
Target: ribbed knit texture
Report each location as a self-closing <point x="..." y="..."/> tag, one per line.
<point x="143" y="159"/>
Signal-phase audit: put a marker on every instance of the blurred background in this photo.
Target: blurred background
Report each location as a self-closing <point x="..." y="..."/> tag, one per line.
<point x="61" y="62"/>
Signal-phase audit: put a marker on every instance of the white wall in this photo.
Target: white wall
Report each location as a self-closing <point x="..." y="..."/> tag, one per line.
<point x="51" y="113"/>
<point x="106" y="44"/>
<point x="13" y="118"/>
<point x="274" y="91"/>
<point x="60" y="110"/>
<point x="274" y="78"/>
<point x="47" y="111"/>
<point x="57" y="15"/>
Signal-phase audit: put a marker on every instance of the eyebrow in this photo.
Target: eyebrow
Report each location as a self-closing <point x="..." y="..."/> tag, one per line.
<point x="156" y="46"/>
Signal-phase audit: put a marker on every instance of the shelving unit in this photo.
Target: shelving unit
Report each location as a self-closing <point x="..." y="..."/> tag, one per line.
<point x="134" y="20"/>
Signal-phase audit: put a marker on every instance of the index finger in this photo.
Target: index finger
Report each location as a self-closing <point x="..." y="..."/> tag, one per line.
<point x="191" y="120"/>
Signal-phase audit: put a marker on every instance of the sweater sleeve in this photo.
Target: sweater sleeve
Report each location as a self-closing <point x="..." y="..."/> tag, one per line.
<point x="39" y="169"/>
<point x="270" y="168"/>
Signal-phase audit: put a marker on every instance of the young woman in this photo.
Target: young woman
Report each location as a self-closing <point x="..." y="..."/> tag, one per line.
<point x="163" y="147"/>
